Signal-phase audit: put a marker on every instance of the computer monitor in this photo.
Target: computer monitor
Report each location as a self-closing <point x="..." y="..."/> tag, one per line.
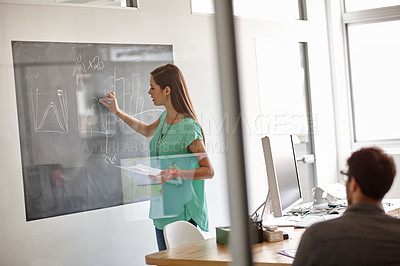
<point x="283" y="179"/>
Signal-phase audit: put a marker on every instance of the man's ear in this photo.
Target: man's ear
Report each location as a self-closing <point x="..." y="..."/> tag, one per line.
<point x="167" y="90"/>
<point x="353" y="184"/>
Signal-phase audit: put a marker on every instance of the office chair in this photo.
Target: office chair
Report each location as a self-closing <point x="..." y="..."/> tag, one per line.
<point x="179" y="233"/>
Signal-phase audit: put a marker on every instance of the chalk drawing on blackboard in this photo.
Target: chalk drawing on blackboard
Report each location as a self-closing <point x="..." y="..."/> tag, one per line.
<point x="96" y="63"/>
<point x="139" y="100"/>
<point x="71" y="145"/>
<point x="32" y="76"/>
<point x="92" y="121"/>
<point x="42" y="121"/>
<point x="79" y="69"/>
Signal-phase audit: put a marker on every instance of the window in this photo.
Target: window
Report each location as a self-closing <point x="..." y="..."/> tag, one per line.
<point x="373" y="66"/>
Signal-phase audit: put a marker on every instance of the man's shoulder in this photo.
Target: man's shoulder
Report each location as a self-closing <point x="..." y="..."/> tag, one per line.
<point x="326" y="225"/>
<point x="333" y="227"/>
<point x="355" y="223"/>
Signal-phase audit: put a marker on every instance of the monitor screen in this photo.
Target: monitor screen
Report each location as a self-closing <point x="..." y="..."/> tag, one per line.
<point x="283" y="180"/>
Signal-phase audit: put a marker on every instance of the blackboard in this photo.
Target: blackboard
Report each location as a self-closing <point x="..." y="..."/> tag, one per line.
<point x="71" y="145"/>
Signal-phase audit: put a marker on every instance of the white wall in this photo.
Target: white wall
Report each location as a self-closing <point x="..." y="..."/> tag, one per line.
<point x="120" y="235"/>
<point x="314" y="33"/>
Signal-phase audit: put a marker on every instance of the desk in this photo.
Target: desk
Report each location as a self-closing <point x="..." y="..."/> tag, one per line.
<point x="392" y="207"/>
<point x="208" y="252"/>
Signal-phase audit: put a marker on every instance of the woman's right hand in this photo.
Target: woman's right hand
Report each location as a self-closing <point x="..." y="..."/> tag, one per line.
<point x="110" y="101"/>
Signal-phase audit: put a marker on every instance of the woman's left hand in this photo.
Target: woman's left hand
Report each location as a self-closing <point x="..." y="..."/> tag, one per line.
<point x="169" y="174"/>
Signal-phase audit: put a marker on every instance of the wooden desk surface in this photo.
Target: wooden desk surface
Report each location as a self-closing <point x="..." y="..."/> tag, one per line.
<point x="208" y="252"/>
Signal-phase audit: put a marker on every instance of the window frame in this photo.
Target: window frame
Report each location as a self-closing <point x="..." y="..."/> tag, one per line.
<point x="368" y="16"/>
<point x="301" y="4"/>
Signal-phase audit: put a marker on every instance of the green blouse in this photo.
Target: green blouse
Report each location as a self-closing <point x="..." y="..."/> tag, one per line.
<point x="177" y="199"/>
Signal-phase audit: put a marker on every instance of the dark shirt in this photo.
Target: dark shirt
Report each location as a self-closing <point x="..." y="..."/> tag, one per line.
<point x="363" y="235"/>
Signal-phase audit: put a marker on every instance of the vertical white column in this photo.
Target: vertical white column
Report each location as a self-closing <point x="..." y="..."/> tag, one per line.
<point x="240" y="238"/>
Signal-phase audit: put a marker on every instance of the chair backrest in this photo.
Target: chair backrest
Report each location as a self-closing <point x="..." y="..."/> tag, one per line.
<point x="180" y="233"/>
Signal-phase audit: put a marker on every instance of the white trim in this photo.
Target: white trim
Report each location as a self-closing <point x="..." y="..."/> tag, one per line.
<point x="372" y="15"/>
<point x="62" y="4"/>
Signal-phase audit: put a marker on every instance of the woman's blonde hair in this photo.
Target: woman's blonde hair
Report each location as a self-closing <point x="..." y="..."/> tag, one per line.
<point x="171" y="76"/>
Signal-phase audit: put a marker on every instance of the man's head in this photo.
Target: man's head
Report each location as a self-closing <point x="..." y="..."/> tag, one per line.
<point x="373" y="171"/>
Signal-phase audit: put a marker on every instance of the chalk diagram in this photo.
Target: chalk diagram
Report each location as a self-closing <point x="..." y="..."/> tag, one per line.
<point x="91" y="120"/>
<point x="42" y="121"/>
<point x="79" y="69"/>
<point x="50" y="108"/>
<point x="94" y="121"/>
<point x="131" y="102"/>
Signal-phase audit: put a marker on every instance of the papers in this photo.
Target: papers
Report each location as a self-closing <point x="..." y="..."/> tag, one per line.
<point x="151" y="173"/>
<point x="142" y="169"/>
<point x="291" y="253"/>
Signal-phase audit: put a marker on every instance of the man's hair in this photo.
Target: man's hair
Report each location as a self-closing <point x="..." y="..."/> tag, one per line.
<point x="374" y="171"/>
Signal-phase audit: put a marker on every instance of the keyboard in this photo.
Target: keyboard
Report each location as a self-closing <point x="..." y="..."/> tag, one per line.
<point x="309" y="220"/>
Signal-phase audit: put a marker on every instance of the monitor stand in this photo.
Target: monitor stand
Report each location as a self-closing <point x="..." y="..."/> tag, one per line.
<point x="266" y="205"/>
<point x="269" y="219"/>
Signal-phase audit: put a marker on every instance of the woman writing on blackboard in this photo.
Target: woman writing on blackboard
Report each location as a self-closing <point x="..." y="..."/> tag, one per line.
<point x="178" y="147"/>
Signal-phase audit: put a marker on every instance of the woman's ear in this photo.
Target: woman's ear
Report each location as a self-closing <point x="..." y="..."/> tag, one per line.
<point x="167" y="90"/>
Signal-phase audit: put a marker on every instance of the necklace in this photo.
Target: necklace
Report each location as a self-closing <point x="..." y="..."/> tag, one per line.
<point x="162" y="136"/>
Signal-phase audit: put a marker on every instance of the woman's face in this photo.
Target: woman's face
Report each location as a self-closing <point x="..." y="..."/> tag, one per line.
<point x="157" y="94"/>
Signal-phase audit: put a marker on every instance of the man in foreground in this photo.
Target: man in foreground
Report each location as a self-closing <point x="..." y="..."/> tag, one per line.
<point x="364" y="234"/>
